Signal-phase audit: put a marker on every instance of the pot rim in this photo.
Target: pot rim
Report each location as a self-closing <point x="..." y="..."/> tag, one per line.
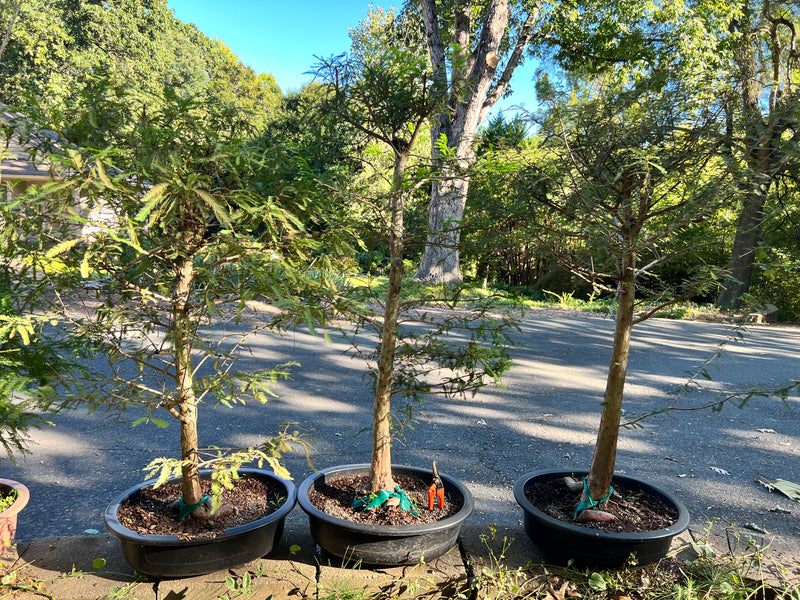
<point x="388" y="530"/>
<point x="23" y="496"/>
<point x="119" y="530"/>
<point x="679" y="526"/>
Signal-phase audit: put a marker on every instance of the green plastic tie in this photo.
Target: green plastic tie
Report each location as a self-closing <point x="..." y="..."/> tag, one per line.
<point x="381" y="497"/>
<point x="589" y="502"/>
<point x="184" y="510"/>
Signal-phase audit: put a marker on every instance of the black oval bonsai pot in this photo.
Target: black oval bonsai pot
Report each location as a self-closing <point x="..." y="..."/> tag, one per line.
<point x="562" y="541"/>
<point x="384" y="544"/>
<point x="168" y="556"/>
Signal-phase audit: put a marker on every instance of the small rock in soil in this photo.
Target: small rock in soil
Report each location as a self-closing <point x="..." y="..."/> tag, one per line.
<point x="633" y="511"/>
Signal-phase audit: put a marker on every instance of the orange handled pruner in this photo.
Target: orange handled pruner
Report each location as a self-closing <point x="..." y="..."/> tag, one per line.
<point x="436" y="489"/>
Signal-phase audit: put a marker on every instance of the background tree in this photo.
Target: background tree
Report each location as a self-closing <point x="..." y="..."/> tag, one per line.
<point x="497" y="246"/>
<point x="11" y="10"/>
<point x="764" y="123"/>
<point x="97" y="65"/>
<point x="322" y="145"/>
<point x="38" y="57"/>
<point x="776" y="272"/>
<point x="465" y="48"/>
<point x="586" y="38"/>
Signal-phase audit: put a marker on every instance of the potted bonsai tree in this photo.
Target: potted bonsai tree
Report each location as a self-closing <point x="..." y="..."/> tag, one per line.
<point x="176" y="237"/>
<point x="387" y="93"/>
<point x="635" y="172"/>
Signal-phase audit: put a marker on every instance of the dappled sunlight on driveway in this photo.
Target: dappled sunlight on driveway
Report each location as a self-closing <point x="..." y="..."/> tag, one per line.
<point x="770" y="440"/>
<point x="318" y="404"/>
<point x="51" y="442"/>
<point x="550" y="374"/>
<point x="545" y="418"/>
<point x="554" y="433"/>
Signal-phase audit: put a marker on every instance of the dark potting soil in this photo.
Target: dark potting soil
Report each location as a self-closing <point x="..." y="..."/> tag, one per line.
<point x="336" y="496"/>
<point x="635" y="510"/>
<point x="153" y="510"/>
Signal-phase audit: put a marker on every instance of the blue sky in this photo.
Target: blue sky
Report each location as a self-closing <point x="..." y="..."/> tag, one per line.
<point x="282" y="37"/>
<point x="277" y="36"/>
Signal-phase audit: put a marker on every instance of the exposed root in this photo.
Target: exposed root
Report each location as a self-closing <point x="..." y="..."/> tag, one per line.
<point x="594" y="515"/>
<point x="204" y="511"/>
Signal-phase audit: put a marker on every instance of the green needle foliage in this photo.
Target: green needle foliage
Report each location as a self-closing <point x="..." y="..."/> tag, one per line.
<point x="387" y="96"/>
<point x="170" y="237"/>
<point x="30" y="361"/>
<point x="633" y="164"/>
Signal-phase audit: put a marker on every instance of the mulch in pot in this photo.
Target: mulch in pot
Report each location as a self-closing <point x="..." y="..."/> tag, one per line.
<point x="153" y="511"/>
<point x="335" y="497"/>
<point x="635" y="510"/>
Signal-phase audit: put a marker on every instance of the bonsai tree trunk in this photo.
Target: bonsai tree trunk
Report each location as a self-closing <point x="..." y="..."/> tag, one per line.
<point x="381" y="468"/>
<point x="184" y="383"/>
<point x="605" y="451"/>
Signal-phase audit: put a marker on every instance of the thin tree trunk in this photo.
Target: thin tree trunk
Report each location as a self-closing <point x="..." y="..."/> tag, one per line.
<point x="602" y="469"/>
<point x="381" y="467"/>
<point x="9" y="29"/>
<point x="192" y="492"/>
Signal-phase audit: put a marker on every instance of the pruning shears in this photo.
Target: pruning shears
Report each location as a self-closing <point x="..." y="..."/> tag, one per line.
<point x="436" y="489"/>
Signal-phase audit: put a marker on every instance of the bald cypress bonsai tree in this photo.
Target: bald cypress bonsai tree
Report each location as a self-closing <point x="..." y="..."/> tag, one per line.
<point x="387" y="93"/>
<point x="633" y="175"/>
<point x="144" y="248"/>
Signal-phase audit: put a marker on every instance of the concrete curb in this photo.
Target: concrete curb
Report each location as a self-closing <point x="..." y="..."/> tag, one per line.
<point x="63" y="568"/>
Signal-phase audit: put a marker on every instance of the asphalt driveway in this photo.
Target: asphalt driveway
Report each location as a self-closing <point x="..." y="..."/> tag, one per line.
<point x="543" y="418"/>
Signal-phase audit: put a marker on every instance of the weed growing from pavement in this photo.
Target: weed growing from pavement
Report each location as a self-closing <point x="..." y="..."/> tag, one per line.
<point x="703" y="576"/>
<point x="740" y="575"/>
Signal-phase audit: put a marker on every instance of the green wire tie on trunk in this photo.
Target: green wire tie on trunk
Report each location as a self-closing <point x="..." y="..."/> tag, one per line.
<point x="589" y="503"/>
<point x="381" y="497"/>
<point x="184" y="510"/>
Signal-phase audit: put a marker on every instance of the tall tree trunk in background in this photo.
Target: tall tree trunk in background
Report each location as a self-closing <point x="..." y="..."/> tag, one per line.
<point x="740" y="265"/>
<point x="474" y="90"/>
<point x="769" y="109"/>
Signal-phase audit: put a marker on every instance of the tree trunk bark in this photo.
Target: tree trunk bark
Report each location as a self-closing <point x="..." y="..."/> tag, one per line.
<point x="605" y="451"/>
<point x="764" y="64"/>
<point x="440" y="260"/>
<point x="381" y="466"/>
<point x="740" y="265"/>
<point x="182" y="323"/>
<point x="459" y="122"/>
<point x="9" y="29"/>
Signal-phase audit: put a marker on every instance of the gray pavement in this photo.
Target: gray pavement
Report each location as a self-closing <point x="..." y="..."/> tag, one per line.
<point x="543" y="418"/>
